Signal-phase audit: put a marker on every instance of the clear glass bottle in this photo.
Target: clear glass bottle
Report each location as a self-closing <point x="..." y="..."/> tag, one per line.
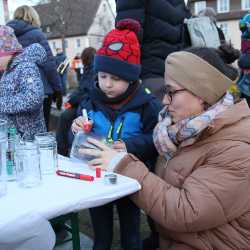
<point x="80" y="142"/>
<point x="11" y="154"/>
<point x="47" y="147"/>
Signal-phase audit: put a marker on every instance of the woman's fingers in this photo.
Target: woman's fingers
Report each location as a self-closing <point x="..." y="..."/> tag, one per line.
<point x="91" y="152"/>
<point x="95" y="162"/>
<point x="97" y="143"/>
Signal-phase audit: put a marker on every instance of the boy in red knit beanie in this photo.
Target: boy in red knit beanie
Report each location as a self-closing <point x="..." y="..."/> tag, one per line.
<point x="125" y="114"/>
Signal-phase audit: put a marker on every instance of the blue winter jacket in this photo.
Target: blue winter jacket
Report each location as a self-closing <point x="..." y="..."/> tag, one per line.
<point x="27" y="35"/>
<point x="133" y="123"/>
<point x="21" y="92"/>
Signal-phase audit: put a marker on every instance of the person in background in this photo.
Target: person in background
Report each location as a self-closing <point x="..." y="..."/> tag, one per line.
<point x="244" y="61"/>
<point x="26" y="24"/>
<point x="69" y="114"/>
<point x="77" y="66"/>
<point x="199" y="196"/>
<point x="21" y="87"/>
<point x="124" y="114"/>
<point x="161" y="34"/>
<point x="210" y="12"/>
<point x="61" y="60"/>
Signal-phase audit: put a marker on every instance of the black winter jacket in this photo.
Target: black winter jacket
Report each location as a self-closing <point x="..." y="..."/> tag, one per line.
<point x="162" y="23"/>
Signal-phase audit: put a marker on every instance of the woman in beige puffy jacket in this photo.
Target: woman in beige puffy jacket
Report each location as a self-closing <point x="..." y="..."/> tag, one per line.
<point x="200" y="195"/>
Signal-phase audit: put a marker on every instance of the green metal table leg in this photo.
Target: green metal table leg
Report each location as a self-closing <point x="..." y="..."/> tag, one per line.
<point x="75" y="231"/>
<point x="73" y="228"/>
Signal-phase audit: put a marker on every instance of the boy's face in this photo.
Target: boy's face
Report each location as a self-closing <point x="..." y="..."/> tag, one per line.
<point x="111" y="85"/>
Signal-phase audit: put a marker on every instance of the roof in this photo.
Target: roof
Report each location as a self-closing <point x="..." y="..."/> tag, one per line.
<point x="78" y="15"/>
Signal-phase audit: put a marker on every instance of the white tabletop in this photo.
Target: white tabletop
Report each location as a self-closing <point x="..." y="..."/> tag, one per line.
<point x="57" y="196"/>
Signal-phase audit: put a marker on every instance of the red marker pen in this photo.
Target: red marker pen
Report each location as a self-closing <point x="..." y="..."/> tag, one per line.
<point x="75" y="175"/>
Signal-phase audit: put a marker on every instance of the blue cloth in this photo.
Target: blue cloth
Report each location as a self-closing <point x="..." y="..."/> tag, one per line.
<point x="21" y="92"/>
<point x="162" y="30"/>
<point x="27" y="35"/>
<point x="136" y="120"/>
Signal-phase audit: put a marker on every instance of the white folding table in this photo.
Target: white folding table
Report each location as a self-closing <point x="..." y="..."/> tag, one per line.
<point x="24" y="212"/>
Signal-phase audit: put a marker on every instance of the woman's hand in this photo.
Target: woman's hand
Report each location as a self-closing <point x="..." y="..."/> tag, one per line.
<point x="119" y="146"/>
<point x="103" y="155"/>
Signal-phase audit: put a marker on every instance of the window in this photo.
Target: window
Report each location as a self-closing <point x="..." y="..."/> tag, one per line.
<point x="78" y="43"/>
<point x="245" y="4"/>
<point x="54" y="45"/>
<point x="222" y="6"/>
<point x="225" y="29"/>
<point x="198" y="6"/>
<point x="66" y="44"/>
<point x="47" y="29"/>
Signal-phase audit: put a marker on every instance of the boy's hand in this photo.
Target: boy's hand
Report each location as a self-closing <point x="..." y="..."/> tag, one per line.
<point x="80" y="124"/>
<point x="119" y="146"/>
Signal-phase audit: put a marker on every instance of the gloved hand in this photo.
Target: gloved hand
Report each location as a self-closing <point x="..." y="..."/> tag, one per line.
<point x="58" y="99"/>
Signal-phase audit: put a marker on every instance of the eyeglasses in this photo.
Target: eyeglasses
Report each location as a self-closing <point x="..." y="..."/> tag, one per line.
<point x="170" y="93"/>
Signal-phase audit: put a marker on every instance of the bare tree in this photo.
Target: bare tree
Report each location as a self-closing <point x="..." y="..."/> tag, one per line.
<point x="60" y="15"/>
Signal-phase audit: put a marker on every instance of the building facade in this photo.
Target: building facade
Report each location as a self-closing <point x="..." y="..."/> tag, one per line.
<point x="229" y="13"/>
<point x="85" y="22"/>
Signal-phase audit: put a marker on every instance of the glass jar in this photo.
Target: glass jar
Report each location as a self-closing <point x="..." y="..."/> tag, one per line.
<point x="48" y="152"/>
<point x="28" y="164"/>
<point x="3" y="149"/>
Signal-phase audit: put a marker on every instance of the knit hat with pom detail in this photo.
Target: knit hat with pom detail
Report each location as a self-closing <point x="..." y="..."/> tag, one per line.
<point x="120" y="53"/>
<point x="9" y="44"/>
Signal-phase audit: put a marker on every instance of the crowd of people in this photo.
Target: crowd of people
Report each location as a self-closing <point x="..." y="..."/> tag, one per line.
<point x="174" y="117"/>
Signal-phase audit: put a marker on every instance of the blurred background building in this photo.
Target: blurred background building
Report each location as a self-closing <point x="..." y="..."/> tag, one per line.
<point x="229" y="13"/>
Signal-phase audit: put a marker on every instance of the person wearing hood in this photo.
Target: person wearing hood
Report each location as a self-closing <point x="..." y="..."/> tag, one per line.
<point x="21" y="87"/>
<point x="199" y="196"/>
<point x="26" y="24"/>
<point x="124" y="113"/>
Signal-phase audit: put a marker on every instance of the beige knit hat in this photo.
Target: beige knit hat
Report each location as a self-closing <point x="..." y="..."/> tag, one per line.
<point x="197" y="76"/>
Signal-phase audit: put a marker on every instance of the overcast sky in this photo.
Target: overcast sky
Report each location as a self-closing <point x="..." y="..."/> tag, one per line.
<point x="13" y="4"/>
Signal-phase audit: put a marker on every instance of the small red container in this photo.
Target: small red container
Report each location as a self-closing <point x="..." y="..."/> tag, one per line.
<point x="87" y="126"/>
<point x="98" y="172"/>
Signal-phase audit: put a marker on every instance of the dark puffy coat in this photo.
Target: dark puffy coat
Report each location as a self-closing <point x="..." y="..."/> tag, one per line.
<point x="162" y="23"/>
<point x="27" y="35"/>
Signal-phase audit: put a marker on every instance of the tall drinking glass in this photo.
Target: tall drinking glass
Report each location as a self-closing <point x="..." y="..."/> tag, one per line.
<point x="48" y="152"/>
